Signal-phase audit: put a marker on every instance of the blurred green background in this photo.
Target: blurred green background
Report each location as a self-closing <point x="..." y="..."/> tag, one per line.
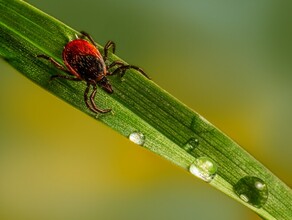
<point x="228" y="60"/>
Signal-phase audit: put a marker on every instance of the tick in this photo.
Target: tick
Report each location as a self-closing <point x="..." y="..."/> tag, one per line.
<point x="84" y="62"/>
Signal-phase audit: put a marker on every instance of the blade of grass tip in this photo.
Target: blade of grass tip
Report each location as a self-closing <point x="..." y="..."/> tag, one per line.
<point x="144" y="113"/>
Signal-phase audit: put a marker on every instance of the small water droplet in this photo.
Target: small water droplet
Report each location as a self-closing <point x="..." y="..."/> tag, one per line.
<point x="137" y="138"/>
<point x="191" y="144"/>
<point x="252" y="190"/>
<point x="204" y="168"/>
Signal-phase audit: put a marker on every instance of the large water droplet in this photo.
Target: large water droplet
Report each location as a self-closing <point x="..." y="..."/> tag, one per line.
<point x="137" y="138"/>
<point x="252" y="190"/>
<point x="191" y="145"/>
<point x="204" y="168"/>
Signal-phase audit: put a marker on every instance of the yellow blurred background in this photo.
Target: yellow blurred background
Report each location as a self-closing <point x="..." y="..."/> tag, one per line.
<point x="228" y="60"/>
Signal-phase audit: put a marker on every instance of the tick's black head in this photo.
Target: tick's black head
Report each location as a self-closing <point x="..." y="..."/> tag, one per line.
<point x="104" y="83"/>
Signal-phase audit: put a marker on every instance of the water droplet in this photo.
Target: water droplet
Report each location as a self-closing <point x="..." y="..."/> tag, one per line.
<point x="137" y="138"/>
<point x="204" y="168"/>
<point x="252" y="190"/>
<point x="191" y="144"/>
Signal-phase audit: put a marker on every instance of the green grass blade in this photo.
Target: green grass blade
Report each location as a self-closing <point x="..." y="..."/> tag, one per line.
<point x="170" y="128"/>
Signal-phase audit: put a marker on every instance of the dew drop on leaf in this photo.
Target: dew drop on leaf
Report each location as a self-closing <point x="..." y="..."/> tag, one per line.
<point x="204" y="168"/>
<point x="252" y="190"/>
<point x="191" y="145"/>
<point x="137" y="138"/>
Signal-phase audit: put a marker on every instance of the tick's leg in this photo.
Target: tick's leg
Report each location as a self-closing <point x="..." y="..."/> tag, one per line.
<point x="108" y="45"/>
<point x="115" y="63"/>
<point x="92" y="96"/>
<point x="56" y="64"/>
<point x="122" y="70"/>
<point x="84" y="34"/>
<point x="92" y="107"/>
<point x="86" y="98"/>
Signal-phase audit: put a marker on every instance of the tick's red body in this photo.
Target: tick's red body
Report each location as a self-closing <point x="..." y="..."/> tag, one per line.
<point x="84" y="61"/>
<point x="79" y="52"/>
